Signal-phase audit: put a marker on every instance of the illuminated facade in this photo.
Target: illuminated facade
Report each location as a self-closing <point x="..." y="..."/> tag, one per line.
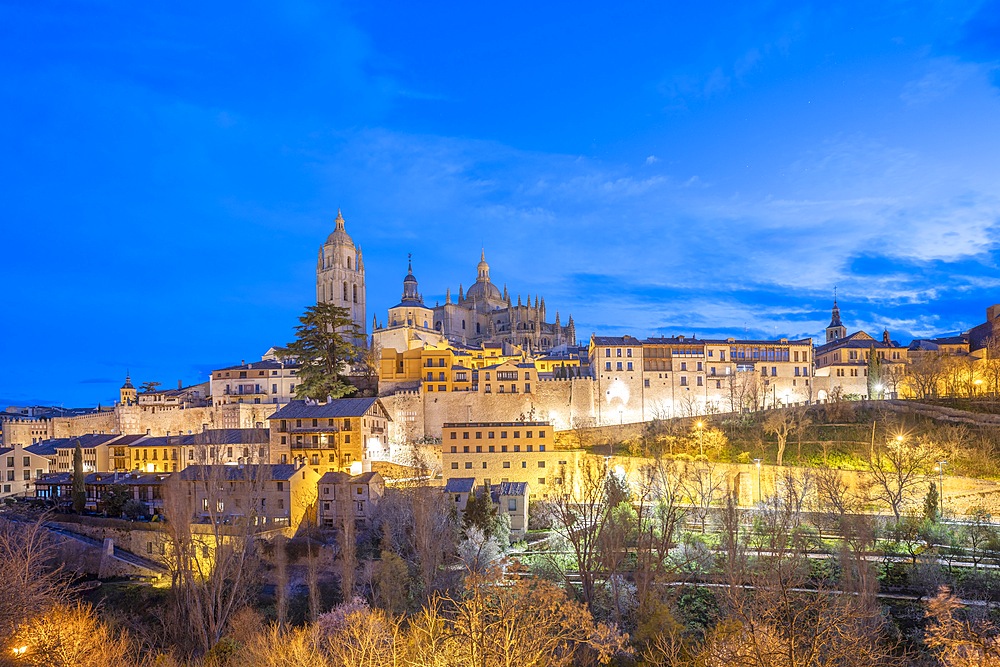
<point x="658" y="378"/>
<point x="335" y="436"/>
<point x="484" y="314"/>
<point x="340" y="274"/>
<point x="842" y="363"/>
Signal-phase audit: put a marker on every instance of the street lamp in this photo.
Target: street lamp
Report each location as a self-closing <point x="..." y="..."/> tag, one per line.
<point x="760" y="496"/>
<point x="701" y="445"/>
<point x="878" y="391"/>
<point x="940" y="467"/>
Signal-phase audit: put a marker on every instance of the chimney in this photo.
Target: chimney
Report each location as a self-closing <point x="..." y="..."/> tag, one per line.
<point x="179" y="385"/>
<point x="147" y="431"/>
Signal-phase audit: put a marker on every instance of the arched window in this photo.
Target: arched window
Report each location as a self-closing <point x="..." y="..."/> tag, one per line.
<point x="463" y="324"/>
<point x="477" y="327"/>
<point x="355" y="291"/>
<point x="348" y="262"/>
<point x="345" y="290"/>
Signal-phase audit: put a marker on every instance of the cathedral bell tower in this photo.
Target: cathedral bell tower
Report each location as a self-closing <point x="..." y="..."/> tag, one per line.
<point x="340" y="274"/>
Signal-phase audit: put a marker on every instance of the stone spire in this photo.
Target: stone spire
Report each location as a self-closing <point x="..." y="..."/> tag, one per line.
<point x="461" y="293"/>
<point x="447" y="295"/>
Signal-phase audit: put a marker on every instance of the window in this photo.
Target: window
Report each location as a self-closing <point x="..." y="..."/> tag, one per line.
<point x="506" y="464"/>
<point x="700" y="381"/>
<point x="454" y="465"/>
<point x="629" y="366"/>
<point x="524" y="464"/>
<point x="541" y="448"/>
<point x="541" y="464"/>
<point x="512" y="504"/>
<point x="468" y="465"/>
<point x="454" y="449"/>
<point x="465" y="435"/>
<point x="684" y="381"/>
<point x="281" y="486"/>
<point x="541" y="481"/>
<point x="607" y="365"/>
<point x="454" y="435"/>
<point x="628" y="352"/>
<point x="484" y="465"/>
<point x="618" y="366"/>
<point x="607" y="352"/>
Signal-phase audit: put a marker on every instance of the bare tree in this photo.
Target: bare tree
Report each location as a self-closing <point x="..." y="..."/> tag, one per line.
<point x="779" y="423"/>
<point x="957" y="642"/>
<point x="212" y="517"/>
<point x="31" y="579"/>
<point x="579" y="511"/>
<point x="659" y="512"/>
<point x="702" y="484"/>
<point x="897" y="470"/>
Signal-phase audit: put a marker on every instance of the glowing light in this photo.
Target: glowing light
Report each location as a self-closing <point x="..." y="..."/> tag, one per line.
<point x="21" y="650"/>
<point x="150" y="467"/>
<point x="620" y="471"/>
<point x="356" y="468"/>
<point x="619" y="390"/>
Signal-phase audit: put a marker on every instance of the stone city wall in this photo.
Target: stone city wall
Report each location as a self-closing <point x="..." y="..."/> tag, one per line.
<point x="561" y="402"/>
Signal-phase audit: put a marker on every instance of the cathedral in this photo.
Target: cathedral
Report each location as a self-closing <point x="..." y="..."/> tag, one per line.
<point x="484" y="315"/>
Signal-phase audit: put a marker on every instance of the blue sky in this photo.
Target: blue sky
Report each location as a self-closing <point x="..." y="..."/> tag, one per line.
<point x="170" y="169"/>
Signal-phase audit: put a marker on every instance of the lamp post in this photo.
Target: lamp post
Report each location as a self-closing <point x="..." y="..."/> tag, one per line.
<point x="940" y="467"/>
<point x="760" y="496"/>
<point x="701" y="445"/>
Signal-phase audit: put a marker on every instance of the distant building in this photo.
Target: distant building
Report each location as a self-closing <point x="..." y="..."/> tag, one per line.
<point x="266" y="381"/>
<point x="496" y="452"/>
<point x="459" y="490"/>
<point x="842" y="363"/>
<point x="511" y="498"/>
<point x="341" y="495"/>
<point x="273" y="496"/>
<point x="21" y="467"/>
<point x="980" y="335"/>
<point x="660" y="378"/>
<point x="181" y="398"/>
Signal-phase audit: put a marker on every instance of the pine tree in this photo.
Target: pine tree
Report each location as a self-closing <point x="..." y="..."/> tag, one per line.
<point x="324" y="348"/>
<point x="931" y="503"/>
<point x="79" y="481"/>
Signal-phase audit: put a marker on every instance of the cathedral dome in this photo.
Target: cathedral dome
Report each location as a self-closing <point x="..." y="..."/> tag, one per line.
<point x="483" y="289"/>
<point x="339" y="234"/>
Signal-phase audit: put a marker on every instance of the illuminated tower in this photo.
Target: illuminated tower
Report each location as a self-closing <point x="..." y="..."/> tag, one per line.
<point x="340" y="274"/>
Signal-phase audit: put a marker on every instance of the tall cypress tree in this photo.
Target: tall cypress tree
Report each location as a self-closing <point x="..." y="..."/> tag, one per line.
<point x="79" y="481"/>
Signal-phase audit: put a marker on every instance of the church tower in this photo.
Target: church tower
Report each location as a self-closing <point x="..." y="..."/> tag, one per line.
<point x="340" y="274"/>
<point x="127" y="395"/>
<point x="836" y="330"/>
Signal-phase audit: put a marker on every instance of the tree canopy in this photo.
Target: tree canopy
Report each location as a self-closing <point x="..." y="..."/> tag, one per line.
<point x="324" y="348"/>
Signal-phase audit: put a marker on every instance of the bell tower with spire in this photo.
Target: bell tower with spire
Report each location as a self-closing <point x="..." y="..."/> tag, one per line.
<point x="340" y="274"/>
<point x="836" y="330"/>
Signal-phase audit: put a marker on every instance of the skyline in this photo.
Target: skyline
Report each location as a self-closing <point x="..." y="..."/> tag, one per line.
<point x="717" y="170"/>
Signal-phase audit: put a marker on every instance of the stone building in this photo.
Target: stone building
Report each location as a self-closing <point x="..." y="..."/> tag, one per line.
<point x="337" y="436"/>
<point x="495" y="452"/>
<point x="269" y="380"/>
<point x="842" y="363"/>
<point x="343" y="496"/>
<point x="21" y="467"/>
<point x="340" y="274"/>
<point x="659" y="378"/>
